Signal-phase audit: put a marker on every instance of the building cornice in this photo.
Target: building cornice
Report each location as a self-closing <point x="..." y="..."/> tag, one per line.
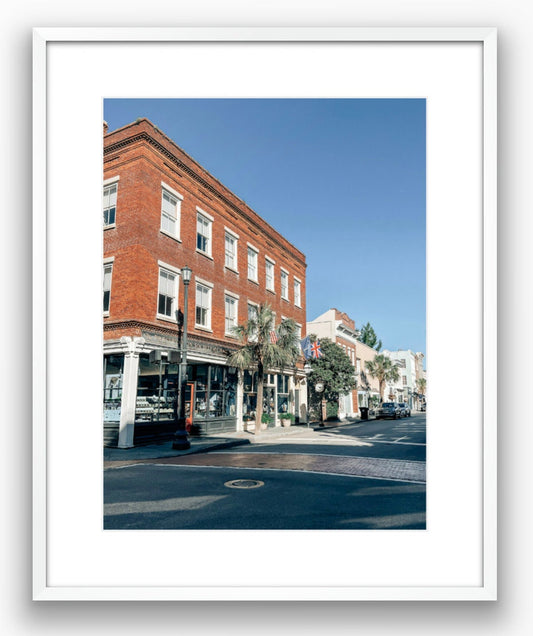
<point x="146" y="137"/>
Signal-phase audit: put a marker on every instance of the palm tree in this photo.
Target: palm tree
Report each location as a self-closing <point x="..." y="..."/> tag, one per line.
<point x="421" y="385"/>
<point x="258" y="349"/>
<point x="384" y="370"/>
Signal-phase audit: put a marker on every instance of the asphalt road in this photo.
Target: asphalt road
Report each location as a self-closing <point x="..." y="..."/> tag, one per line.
<point x="369" y="475"/>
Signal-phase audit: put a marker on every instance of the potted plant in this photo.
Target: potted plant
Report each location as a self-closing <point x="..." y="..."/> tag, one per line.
<point x="286" y="419"/>
<point x="266" y="419"/>
<point x="246" y="419"/>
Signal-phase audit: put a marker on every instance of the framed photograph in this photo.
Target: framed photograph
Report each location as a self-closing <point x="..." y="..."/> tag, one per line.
<point x="451" y="554"/>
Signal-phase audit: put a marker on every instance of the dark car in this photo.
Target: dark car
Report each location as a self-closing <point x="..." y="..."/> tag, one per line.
<point x="391" y="409"/>
<point x="406" y="411"/>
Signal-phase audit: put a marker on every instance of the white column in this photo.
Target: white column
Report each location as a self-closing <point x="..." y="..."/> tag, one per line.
<point x="129" y="390"/>
<point x="239" y="398"/>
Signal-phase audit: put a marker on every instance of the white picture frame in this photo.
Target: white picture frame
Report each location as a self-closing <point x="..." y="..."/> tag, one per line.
<point x="68" y="453"/>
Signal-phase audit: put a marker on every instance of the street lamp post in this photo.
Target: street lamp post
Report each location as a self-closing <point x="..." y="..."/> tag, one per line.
<point x="307" y="370"/>
<point x="181" y="441"/>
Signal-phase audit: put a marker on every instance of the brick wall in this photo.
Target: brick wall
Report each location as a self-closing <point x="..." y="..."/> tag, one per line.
<point x="142" y="157"/>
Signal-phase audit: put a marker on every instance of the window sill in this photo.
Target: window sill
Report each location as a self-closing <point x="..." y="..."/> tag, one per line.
<point x="204" y="254"/>
<point x="106" y="314"/>
<point x="271" y="291"/>
<point x="251" y="280"/>
<point x="172" y="236"/>
<point x="285" y="299"/>
<point x="202" y="328"/>
<point x="110" y="227"/>
<point x="165" y="318"/>
<point x="235" y="271"/>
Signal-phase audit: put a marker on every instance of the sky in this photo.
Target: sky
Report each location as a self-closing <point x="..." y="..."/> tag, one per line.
<point x="344" y="180"/>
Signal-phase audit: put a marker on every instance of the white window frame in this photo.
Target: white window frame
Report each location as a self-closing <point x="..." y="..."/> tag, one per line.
<point x="281" y="277"/>
<point x="269" y="262"/>
<point x="175" y="272"/>
<point x="235" y="237"/>
<point x="235" y="299"/>
<point x="297" y="297"/>
<point x="165" y="188"/>
<point x="253" y="250"/>
<point x="209" y="287"/>
<point x="108" y="184"/>
<point x="108" y="263"/>
<point x="253" y="337"/>
<point x="207" y="220"/>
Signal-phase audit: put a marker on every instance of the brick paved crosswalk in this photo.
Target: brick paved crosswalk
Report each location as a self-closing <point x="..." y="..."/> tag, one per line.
<point x="377" y="468"/>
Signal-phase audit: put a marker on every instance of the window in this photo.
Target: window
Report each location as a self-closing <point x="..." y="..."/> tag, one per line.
<point x="252" y="315"/>
<point x="252" y="264"/>
<point x="297" y="293"/>
<point x="108" y="272"/>
<point x="110" y="204"/>
<point x="231" y="251"/>
<point x="284" y="285"/>
<point x="269" y="272"/>
<point x="203" y="234"/>
<point x="170" y="212"/>
<point x="230" y="303"/>
<point x="166" y="300"/>
<point x="203" y="305"/>
<point x="404" y="380"/>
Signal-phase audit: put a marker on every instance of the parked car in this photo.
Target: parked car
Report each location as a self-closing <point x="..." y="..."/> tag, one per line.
<point x="391" y="409"/>
<point x="406" y="411"/>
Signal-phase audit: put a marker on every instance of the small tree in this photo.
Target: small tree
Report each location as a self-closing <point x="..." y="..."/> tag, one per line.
<point x="258" y="350"/>
<point x="384" y="370"/>
<point x="334" y="369"/>
<point x="367" y="336"/>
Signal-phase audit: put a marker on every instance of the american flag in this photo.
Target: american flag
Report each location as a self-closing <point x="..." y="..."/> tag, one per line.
<point x="273" y="337"/>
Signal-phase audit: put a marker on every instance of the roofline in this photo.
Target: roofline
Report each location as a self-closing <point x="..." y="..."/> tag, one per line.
<point x="205" y="184"/>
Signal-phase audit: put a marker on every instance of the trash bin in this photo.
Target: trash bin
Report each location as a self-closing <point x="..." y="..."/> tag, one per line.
<point x="364" y="412"/>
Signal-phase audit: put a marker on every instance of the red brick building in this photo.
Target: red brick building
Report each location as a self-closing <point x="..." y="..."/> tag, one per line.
<point x="163" y="211"/>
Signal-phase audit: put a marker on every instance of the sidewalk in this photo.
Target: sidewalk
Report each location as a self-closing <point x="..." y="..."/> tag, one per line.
<point x="117" y="456"/>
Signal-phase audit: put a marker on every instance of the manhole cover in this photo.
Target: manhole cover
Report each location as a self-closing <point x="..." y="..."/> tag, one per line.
<point x="244" y="483"/>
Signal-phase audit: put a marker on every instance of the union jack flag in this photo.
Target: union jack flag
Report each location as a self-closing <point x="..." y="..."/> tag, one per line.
<point x="273" y="337"/>
<point x="315" y="349"/>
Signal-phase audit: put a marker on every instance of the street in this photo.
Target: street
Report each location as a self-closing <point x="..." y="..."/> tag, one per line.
<point x="361" y="475"/>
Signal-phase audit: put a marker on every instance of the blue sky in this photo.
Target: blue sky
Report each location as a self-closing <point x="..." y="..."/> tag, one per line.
<point x="343" y="179"/>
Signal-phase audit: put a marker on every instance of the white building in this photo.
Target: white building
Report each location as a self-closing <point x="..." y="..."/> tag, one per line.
<point x="409" y="365"/>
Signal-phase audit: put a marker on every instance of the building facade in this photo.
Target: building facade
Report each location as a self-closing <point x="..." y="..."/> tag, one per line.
<point x="367" y="386"/>
<point x="162" y="212"/>
<point x="340" y="328"/>
<point x="409" y="368"/>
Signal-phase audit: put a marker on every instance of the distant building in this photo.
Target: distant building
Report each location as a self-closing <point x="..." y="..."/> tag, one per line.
<point x="410" y="367"/>
<point x="339" y="328"/>
<point x="162" y="211"/>
<point x="367" y="386"/>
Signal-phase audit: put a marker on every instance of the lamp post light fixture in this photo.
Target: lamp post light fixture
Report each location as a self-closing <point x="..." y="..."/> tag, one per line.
<point x="181" y="440"/>
<point x="307" y="370"/>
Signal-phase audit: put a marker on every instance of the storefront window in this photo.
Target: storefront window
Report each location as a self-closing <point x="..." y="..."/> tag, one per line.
<point x="249" y="405"/>
<point x="216" y="389"/>
<point x="113" y="369"/>
<point x="231" y="392"/>
<point x="156" y="390"/>
<point x="283" y="393"/>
